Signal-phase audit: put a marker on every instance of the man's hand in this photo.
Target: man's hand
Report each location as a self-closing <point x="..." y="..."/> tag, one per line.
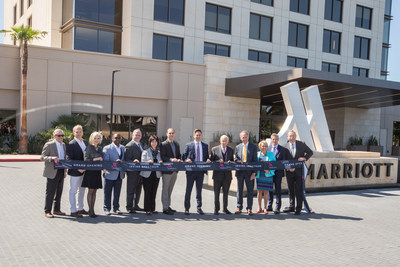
<point x="188" y="160"/>
<point x="301" y="159"/>
<point x="55" y="159"/>
<point x="208" y="161"/>
<point x="253" y="176"/>
<point x="136" y="161"/>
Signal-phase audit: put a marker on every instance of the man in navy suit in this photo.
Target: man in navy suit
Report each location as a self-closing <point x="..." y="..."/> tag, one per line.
<point x="113" y="179"/>
<point x="280" y="154"/>
<point x="75" y="150"/>
<point x="245" y="152"/>
<point x="195" y="151"/>
<point x="300" y="151"/>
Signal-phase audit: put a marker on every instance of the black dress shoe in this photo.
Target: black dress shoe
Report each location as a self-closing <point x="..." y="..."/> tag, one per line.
<point x="216" y="212"/>
<point x="132" y="211"/>
<point x="227" y="212"/>
<point x="200" y="211"/>
<point x="171" y="210"/>
<point x="137" y="208"/>
<point x="168" y="212"/>
<point x="269" y="209"/>
<point x="187" y="212"/>
<point x="287" y="209"/>
<point x="276" y="212"/>
<point x="297" y="213"/>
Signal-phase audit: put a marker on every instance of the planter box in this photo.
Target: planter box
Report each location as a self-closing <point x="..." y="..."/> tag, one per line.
<point x="396" y="150"/>
<point x="376" y="149"/>
<point x="357" y="148"/>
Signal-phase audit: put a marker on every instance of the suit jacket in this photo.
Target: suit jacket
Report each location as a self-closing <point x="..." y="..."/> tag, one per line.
<point x="146" y="156"/>
<point x="190" y="152"/>
<point x="49" y="151"/>
<point x="110" y="153"/>
<point x="132" y="152"/>
<point x="281" y="154"/>
<point x="167" y="153"/>
<point x="74" y="152"/>
<point x="251" y="156"/>
<point x="92" y="152"/>
<point x="302" y="150"/>
<point x="216" y="155"/>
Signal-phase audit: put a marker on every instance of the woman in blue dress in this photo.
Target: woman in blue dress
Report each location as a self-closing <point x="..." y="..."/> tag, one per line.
<point x="264" y="178"/>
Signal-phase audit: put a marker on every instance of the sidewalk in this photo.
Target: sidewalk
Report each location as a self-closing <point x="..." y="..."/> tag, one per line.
<point x="18" y="158"/>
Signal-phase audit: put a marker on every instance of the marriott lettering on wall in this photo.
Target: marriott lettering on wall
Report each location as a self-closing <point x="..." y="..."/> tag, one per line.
<point x="350" y="170"/>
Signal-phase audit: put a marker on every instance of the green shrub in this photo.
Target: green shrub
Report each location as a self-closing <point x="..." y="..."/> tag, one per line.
<point x="372" y="141"/>
<point x="355" y="141"/>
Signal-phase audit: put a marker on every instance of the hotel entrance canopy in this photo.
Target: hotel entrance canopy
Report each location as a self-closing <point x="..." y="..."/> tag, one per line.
<point x="337" y="90"/>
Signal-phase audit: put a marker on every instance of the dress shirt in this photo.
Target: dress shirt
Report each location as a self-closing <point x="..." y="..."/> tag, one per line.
<point x="200" y="149"/>
<point x="81" y="144"/>
<point x="293" y="148"/>
<point x="60" y="150"/>
<point x="118" y="148"/>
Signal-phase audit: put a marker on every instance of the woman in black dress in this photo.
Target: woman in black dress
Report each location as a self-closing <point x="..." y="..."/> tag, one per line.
<point x="92" y="179"/>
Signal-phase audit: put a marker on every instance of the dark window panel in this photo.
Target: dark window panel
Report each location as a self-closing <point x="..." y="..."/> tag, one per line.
<point x="291" y="61"/>
<point x="364" y="48"/>
<point x="210" y="49"/>
<point x="359" y="16"/>
<point x="292" y="34"/>
<point x="224" y="20"/>
<point x="211" y="17"/>
<point x="106" y="42"/>
<point x="363" y="17"/>
<point x="254" y="26"/>
<point x="300" y="6"/>
<point x="177" y="11"/>
<point x="302" y="36"/>
<point x="357" y="46"/>
<point x="223" y="50"/>
<point x="174" y="48"/>
<point x="86" y="9"/>
<point x="264" y="57"/>
<point x="85" y="39"/>
<point x="301" y="63"/>
<point x="367" y="18"/>
<point x="326" y="41"/>
<point x="264" y="2"/>
<point x="265" y="29"/>
<point x="161" y="10"/>
<point x="337" y="10"/>
<point x="294" y="5"/>
<point x="325" y="67"/>
<point x="159" y="46"/>
<point x="253" y="55"/>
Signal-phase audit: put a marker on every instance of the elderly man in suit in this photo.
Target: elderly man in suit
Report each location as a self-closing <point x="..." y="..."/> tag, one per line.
<point x="113" y="179"/>
<point x="222" y="153"/>
<point x="245" y="152"/>
<point x="170" y="152"/>
<point x="280" y="154"/>
<point x="52" y="152"/>
<point x="300" y="151"/>
<point x="195" y="151"/>
<point x="75" y="150"/>
<point x="133" y="152"/>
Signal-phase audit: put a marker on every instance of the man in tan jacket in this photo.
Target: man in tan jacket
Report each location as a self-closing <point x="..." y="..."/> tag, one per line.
<point x="52" y="152"/>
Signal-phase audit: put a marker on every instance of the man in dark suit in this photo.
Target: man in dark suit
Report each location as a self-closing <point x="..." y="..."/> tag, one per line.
<point x="222" y="153"/>
<point x="75" y="150"/>
<point x="170" y="152"/>
<point x="280" y="154"/>
<point x="52" y="152"/>
<point x="133" y="152"/>
<point x="195" y="151"/>
<point x="245" y="152"/>
<point x="300" y="151"/>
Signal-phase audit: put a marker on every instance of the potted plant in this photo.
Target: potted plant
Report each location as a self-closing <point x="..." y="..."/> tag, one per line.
<point x="372" y="144"/>
<point x="356" y="144"/>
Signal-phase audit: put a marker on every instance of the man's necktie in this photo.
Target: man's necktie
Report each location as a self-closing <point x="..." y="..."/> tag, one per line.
<point x="292" y="150"/>
<point x="274" y="150"/>
<point x="244" y="153"/>
<point x="173" y="149"/>
<point x="224" y="154"/>
<point x="140" y="147"/>
<point x="198" y="152"/>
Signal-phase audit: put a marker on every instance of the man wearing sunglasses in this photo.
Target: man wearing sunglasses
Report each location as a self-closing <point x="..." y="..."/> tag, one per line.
<point x="52" y="152"/>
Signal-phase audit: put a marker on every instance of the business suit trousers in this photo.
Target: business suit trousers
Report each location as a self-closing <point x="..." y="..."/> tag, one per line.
<point x="109" y="187"/>
<point x="241" y="179"/>
<point x="192" y="177"/>
<point x="225" y="183"/>
<point x="277" y="179"/>
<point x="295" y="188"/>
<point x="150" y="185"/>
<point x="168" y="182"/>
<point x="54" y="188"/>
<point x="75" y="187"/>
<point x="133" y="189"/>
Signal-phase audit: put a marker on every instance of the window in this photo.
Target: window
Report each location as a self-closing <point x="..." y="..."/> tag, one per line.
<point x="167" y="47"/>
<point x="363" y="17"/>
<point x="95" y="40"/>
<point x="264" y="2"/>
<point x="360" y="72"/>
<point x="300" y="6"/>
<point x="21" y="7"/>
<point x="260" y="27"/>
<point x="298" y="35"/>
<point x="331" y="42"/>
<point x="259" y="56"/>
<point x="361" y="47"/>
<point x="103" y="11"/>
<point x="384" y="61"/>
<point x="333" y="10"/>
<point x="330" y="67"/>
<point x="30" y="21"/>
<point x="29" y="3"/>
<point x="218" y="19"/>
<point x="15" y="14"/>
<point x="217" y="49"/>
<point x="297" y="62"/>
<point x="171" y="11"/>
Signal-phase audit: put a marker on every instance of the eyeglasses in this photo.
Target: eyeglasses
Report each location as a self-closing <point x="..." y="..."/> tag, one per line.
<point x="59" y="135"/>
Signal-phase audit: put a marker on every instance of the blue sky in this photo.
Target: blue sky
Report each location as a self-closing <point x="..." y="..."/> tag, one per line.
<point x="394" y="52"/>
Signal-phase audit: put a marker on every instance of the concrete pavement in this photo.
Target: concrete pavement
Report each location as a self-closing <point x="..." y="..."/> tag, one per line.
<point x="349" y="228"/>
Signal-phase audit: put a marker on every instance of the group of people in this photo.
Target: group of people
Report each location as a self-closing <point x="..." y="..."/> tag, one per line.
<point x="169" y="151"/>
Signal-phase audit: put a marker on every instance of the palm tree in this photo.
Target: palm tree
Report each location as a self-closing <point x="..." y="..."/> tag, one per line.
<point x="24" y="35"/>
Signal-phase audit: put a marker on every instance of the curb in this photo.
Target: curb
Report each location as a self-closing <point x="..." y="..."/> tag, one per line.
<point x="19" y="160"/>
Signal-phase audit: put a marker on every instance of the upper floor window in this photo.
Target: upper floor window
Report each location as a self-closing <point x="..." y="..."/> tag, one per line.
<point x="363" y="17"/>
<point x="167" y="47"/>
<point x="218" y="18"/>
<point x="29" y="3"/>
<point x="260" y="27"/>
<point x="298" y="35"/>
<point x="21" y="8"/>
<point x="217" y="49"/>
<point x="331" y="42"/>
<point x="333" y="10"/>
<point x="15" y="14"/>
<point x="264" y="2"/>
<point x="96" y="40"/>
<point x="297" y="62"/>
<point x="30" y="21"/>
<point x="361" y="47"/>
<point x="103" y="11"/>
<point x="300" y="6"/>
<point x="360" y="72"/>
<point x="330" y="67"/>
<point x="171" y="11"/>
<point x="259" y="56"/>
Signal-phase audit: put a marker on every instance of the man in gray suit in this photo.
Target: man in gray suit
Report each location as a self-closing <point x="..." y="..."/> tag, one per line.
<point x="222" y="153"/>
<point x="52" y="152"/>
<point x="113" y="179"/>
<point x="245" y="152"/>
<point x="300" y="151"/>
<point x="133" y="152"/>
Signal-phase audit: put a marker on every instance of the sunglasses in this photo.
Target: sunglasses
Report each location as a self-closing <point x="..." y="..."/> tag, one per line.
<point x="59" y="135"/>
